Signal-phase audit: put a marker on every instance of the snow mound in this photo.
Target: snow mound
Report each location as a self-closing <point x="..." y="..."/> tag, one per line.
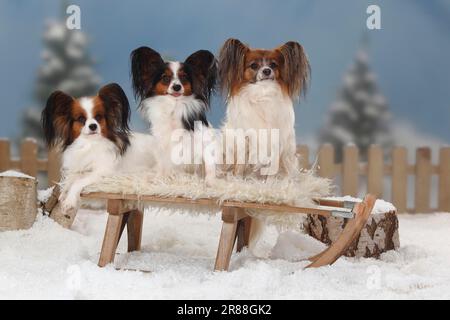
<point x="381" y="206"/>
<point x="294" y="246"/>
<point x="16" y="174"/>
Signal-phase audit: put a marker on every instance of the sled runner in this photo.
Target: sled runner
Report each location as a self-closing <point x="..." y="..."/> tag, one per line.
<point x="123" y="212"/>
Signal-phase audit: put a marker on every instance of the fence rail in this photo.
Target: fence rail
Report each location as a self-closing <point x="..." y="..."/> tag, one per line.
<point x="351" y="173"/>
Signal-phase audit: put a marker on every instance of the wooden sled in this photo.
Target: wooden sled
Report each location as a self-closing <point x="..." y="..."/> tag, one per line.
<point x="235" y="224"/>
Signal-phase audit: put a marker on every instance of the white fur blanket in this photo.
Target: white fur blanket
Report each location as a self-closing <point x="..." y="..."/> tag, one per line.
<point x="298" y="192"/>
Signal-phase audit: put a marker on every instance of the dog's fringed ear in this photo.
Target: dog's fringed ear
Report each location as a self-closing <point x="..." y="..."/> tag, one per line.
<point x="296" y="69"/>
<point x="56" y="119"/>
<point x="117" y="114"/>
<point x="231" y="64"/>
<point x="145" y="62"/>
<point x="204" y="66"/>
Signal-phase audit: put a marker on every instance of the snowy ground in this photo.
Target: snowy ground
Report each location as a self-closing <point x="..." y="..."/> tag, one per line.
<point x="48" y="262"/>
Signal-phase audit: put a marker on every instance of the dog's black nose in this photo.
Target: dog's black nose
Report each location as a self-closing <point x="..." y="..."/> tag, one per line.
<point x="176" y="87"/>
<point x="93" y="127"/>
<point x="267" y="71"/>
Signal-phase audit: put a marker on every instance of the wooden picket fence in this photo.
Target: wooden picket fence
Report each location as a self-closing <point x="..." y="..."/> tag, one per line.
<point x="351" y="173"/>
<point x="374" y="171"/>
<point x="29" y="162"/>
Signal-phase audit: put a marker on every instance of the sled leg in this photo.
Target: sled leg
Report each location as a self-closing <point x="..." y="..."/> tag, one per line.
<point x="230" y="218"/>
<point x="349" y="234"/>
<point x="134" y="230"/>
<point x="243" y="233"/>
<point x="122" y="226"/>
<point x="114" y="226"/>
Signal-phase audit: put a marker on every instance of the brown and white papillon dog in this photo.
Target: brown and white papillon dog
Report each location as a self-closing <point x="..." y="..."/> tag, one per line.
<point x="95" y="139"/>
<point x="260" y="86"/>
<point x="174" y="96"/>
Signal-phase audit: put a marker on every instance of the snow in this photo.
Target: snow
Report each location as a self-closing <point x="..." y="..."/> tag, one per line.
<point x="48" y="262"/>
<point x="44" y="194"/>
<point x="16" y="174"/>
<point x="381" y="206"/>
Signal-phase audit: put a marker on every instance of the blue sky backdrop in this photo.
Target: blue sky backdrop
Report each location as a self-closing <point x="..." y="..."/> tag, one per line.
<point x="410" y="55"/>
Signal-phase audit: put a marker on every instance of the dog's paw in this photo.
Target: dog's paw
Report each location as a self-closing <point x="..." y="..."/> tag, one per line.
<point x="70" y="202"/>
<point x="62" y="196"/>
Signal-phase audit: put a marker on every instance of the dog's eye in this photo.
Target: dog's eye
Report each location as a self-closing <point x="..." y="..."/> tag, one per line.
<point x="254" y="66"/>
<point x="165" y="79"/>
<point x="98" y="117"/>
<point x="81" y="119"/>
<point x="273" y="65"/>
<point x="183" y="78"/>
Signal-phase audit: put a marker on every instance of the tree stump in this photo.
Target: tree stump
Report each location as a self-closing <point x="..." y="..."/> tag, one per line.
<point x="379" y="235"/>
<point x="18" y="201"/>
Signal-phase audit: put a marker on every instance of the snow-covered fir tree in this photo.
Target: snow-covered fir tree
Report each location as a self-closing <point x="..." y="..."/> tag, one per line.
<point x="67" y="66"/>
<point x="360" y="114"/>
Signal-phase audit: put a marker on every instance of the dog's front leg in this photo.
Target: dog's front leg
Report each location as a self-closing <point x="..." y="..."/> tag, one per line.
<point x="71" y="200"/>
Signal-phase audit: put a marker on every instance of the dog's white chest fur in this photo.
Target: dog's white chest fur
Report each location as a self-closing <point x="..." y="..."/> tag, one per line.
<point x="261" y="105"/>
<point x="165" y="113"/>
<point x="90" y="154"/>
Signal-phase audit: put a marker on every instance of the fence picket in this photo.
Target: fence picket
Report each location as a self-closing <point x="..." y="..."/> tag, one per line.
<point x="375" y="171"/>
<point x="423" y="180"/>
<point x="400" y="178"/>
<point x="326" y="161"/>
<point x="444" y="180"/>
<point x="28" y="157"/>
<point x="5" y="155"/>
<point x="53" y="166"/>
<point x="350" y="172"/>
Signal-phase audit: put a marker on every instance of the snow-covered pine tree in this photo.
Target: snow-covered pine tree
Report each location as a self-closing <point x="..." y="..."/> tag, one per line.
<point x="360" y="114"/>
<point x="67" y="67"/>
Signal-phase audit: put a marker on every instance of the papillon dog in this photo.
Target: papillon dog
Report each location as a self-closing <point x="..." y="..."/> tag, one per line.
<point x="174" y="98"/>
<point x="260" y="87"/>
<point x="94" y="138"/>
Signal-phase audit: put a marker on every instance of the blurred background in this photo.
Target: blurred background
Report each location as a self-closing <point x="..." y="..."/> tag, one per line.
<point x="388" y="86"/>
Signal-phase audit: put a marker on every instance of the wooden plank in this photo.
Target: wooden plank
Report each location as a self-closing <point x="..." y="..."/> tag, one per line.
<point x="375" y="171"/>
<point x="243" y="233"/>
<point x="28" y="157"/>
<point x="5" y="155"/>
<point x="111" y="239"/>
<point x="423" y="180"/>
<point x="226" y="242"/>
<point x="134" y="230"/>
<point x="303" y="152"/>
<point x="54" y="166"/>
<point x="326" y="161"/>
<point x="399" y="178"/>
<point x="210" y="202"/>
<point x="444" y="180"/>
<point x="350" y="171"/>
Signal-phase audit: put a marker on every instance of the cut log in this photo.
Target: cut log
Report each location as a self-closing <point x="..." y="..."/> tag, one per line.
<point x="18" y="201"/>
<point x="380" y="234"/>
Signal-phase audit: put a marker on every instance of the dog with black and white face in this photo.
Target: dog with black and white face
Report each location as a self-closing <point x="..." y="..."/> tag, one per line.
<point x="173" y="95"/>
